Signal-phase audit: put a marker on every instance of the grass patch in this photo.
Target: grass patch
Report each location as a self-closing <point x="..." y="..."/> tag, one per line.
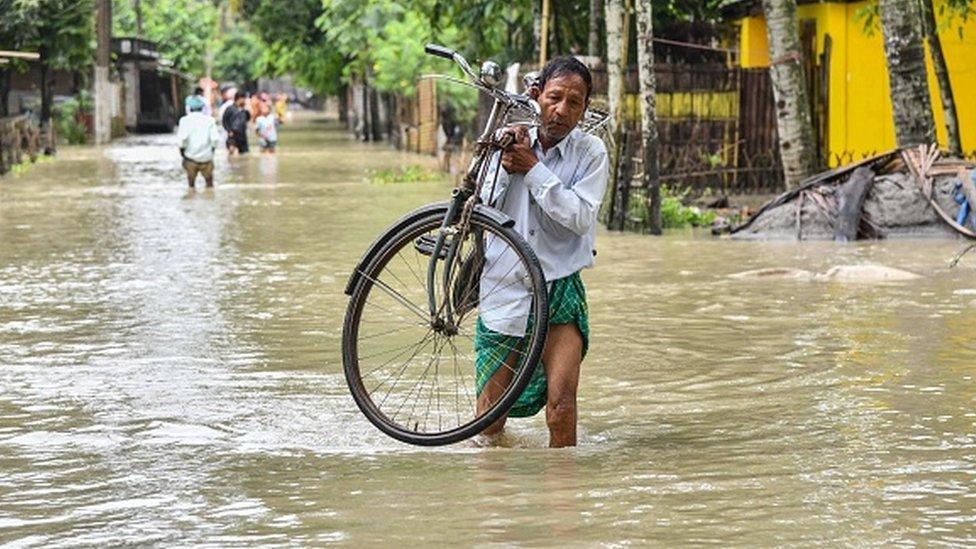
<point x="23" y="167"/>
<point x="413" y="173"/>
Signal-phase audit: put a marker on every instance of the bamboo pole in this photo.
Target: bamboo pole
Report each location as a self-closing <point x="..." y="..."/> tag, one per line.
<point x="544" y="47"/>
<point x="32" y="56"/>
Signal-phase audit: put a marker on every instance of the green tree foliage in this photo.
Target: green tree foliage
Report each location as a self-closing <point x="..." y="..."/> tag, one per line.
<point x="181" y="28"/>
<point x="61" y="30"/>
<point x="240" y="56"/>
<point x="294" y="43"/>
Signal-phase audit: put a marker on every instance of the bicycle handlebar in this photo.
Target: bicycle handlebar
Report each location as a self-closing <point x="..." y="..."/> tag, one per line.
<point x="439" y="51"/>
<point x="520" y="102"/>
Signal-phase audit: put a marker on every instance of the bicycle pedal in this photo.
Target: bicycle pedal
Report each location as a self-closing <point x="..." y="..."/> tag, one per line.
<point x="425" y="244"/>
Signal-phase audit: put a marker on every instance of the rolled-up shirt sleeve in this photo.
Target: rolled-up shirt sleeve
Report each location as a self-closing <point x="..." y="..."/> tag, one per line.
<point x="574" y="207"/>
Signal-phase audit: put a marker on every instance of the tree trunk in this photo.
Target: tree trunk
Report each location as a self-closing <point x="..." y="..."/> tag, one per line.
<point x="648" y="90"/>
<point x="615" y="63"/>
<point x="103" y="86"/>
<point x="47" y="98"/>
<point x="942" y="75"/>
<point x="376" y="131"/>
<point x="5" y="76"/>
<point x="137" y="8"/>
<point x="795" y="130"/>
<point x="615" y="88"/>
<point x="358" y="112"/>
<point x="544" y="32"/>
<point x="536" y="29"/>
<point x="367" y="125"/>
<point x="593" y="42"/>
<point x="343" y="98"/>
<point x="77" y="82"/>
<point x="907" y="75"/>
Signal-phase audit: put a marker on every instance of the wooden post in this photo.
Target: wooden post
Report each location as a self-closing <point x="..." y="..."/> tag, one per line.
<point x="850" y="202"/>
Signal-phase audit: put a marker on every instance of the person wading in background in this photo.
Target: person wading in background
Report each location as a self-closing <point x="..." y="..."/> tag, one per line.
<point x="235" y="122"/>
<point x="266" y="126"/>
<point x="198" y="138"/>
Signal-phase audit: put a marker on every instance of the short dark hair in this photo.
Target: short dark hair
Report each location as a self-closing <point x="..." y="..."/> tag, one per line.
<point x="198" y="91"/>
<point x="240" y="95"/>
<point x="565" y="65"/>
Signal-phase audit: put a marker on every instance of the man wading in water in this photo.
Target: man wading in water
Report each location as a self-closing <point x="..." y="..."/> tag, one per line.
<point x="552" y="184"/>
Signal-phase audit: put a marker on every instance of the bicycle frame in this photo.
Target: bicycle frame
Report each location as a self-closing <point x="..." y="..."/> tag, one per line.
<point x="467" y="195"/>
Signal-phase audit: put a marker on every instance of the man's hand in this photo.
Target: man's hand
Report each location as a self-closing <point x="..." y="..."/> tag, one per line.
<point x="519" y="156"/>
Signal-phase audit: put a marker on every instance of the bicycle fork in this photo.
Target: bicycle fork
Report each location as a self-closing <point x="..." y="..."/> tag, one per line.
<point x="449" y="239"/>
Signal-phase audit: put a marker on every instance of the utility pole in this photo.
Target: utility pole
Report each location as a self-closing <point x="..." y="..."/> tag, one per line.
<point x="137" y="7"/>
<point x="103" y="87"/>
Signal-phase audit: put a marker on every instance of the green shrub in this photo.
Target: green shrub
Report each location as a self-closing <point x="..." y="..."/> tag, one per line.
<point x="675" y="215"/>
<point x="67" y="118"/>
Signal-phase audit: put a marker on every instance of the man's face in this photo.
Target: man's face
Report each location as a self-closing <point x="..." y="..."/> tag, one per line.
<point x="563" y="102"/>
<point x="240" y="101"/>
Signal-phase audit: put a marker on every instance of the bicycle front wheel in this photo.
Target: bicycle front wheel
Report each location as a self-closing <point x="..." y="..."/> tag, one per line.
<point x="416" y="375"/>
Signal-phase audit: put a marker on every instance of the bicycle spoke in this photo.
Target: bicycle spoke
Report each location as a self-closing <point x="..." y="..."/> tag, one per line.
<point x="403" y="369"/>
<point x="410" y="393"/>
<point x="415" y="275"/>
<point x="381" y="353"/>
<point x="396" y="295"/>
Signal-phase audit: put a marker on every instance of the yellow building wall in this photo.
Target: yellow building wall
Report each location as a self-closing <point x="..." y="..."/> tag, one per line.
<point x="860" y="116"/>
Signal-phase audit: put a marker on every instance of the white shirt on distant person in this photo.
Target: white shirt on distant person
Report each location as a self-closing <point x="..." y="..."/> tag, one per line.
<point x="267" y="127"/>
<point x="198" y="136"/>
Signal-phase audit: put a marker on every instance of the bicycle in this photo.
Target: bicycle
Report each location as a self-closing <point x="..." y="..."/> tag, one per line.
<point x="416" y="293"/>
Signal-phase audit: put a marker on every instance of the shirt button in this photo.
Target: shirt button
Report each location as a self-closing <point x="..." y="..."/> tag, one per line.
<point x="531" y="232"/>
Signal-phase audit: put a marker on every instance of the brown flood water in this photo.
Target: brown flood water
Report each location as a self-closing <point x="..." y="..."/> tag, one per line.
<point x="170" y="373"/>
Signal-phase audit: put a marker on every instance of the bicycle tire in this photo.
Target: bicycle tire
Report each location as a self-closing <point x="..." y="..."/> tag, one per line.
<point x="371" y="278"/>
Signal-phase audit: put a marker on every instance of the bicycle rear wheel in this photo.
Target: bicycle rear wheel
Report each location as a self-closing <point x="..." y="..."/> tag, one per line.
<point x="414" y="376"/>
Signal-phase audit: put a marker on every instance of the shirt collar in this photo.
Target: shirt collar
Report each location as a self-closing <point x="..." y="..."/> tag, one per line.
<point x="560" y="147"/>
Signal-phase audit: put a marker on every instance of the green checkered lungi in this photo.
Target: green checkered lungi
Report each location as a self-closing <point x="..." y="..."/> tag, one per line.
<point x="567" y="304"/>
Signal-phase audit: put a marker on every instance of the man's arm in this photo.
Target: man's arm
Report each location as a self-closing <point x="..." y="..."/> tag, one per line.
<point x="182" y="134"/>
<point x="574" y="207"/>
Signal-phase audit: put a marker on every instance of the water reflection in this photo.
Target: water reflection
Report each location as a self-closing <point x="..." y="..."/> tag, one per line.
<point x="169" y="374"/>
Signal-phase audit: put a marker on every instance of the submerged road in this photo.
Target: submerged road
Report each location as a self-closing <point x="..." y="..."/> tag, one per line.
<point x="170" y="373"/>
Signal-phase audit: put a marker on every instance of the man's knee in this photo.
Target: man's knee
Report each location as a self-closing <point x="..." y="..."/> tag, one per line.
<point x="561" y="412"/>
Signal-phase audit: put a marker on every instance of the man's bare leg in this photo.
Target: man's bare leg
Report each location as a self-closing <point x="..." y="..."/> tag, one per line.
<point x="208" y="175"/>
<point x="493" y="391"/>
<point x="562" y="357"/>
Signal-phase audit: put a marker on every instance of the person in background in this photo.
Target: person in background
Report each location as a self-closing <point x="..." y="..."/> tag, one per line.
<point x="198" y="138"/>
<point x="281" y="107"/>
<point x="198" y="94"/>
<point x="254" y="106"/>
<point x="266" y="127"/>
<point x="227" y="95"/>
<point x="235" y="122"/>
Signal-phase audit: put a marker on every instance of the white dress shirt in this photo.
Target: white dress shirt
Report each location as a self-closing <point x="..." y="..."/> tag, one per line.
<point x="555" y="207"/>
<point x="198" y="136"/>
